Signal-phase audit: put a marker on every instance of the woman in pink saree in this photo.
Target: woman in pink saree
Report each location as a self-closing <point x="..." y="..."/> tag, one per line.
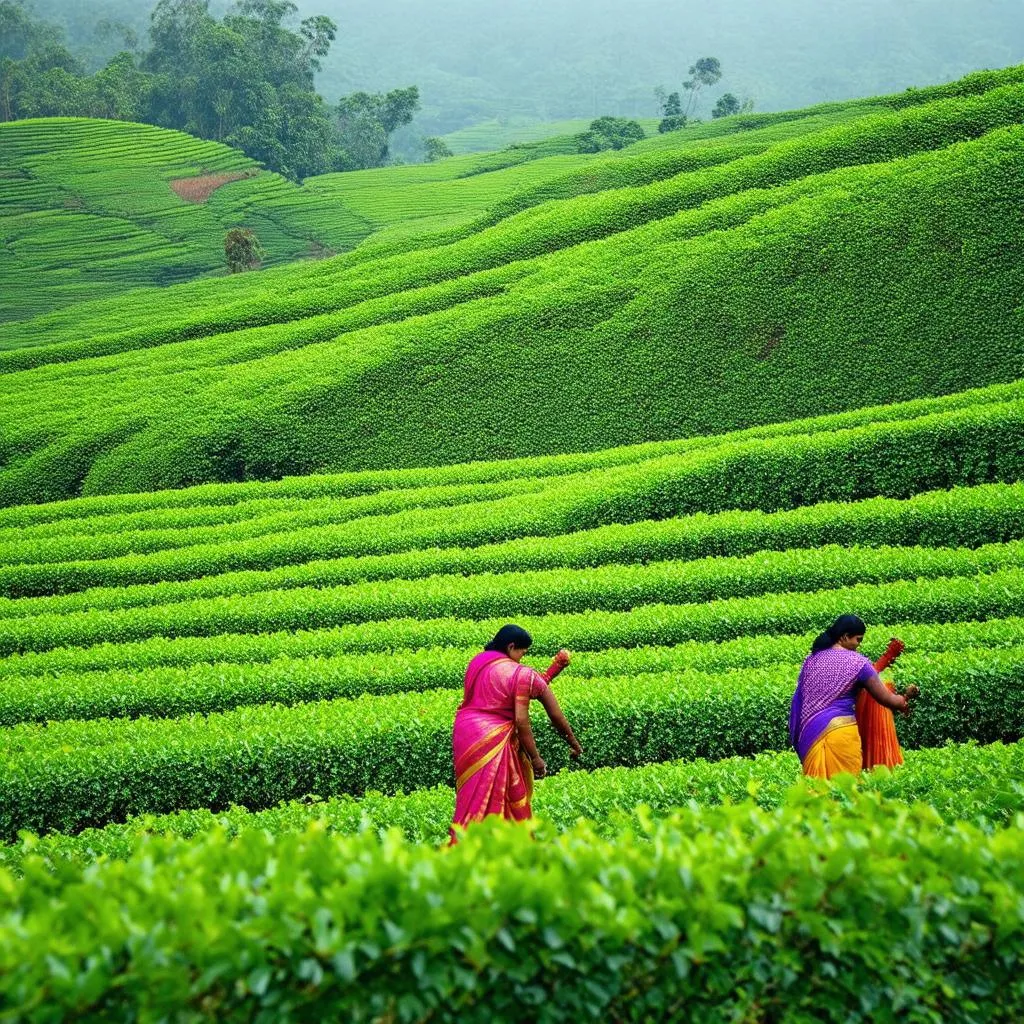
<point x="496" y="757"/>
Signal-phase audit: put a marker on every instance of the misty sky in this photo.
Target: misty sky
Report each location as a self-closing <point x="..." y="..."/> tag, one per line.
<point x="590" y="56"/>
<point x="551" y="59"/>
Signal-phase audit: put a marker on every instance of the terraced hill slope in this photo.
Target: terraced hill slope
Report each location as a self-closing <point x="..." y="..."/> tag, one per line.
<point x="805" y="267"/>
<point x="92" y="208"/>
<point x="714" y="556"/>
<point x="172" y="654"/>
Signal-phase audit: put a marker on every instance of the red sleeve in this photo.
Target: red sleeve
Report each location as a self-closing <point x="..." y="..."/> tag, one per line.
<point x="556" y="666"/>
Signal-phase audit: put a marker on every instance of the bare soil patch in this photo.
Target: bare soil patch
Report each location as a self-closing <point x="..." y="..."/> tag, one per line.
<point x="199" y="189"/>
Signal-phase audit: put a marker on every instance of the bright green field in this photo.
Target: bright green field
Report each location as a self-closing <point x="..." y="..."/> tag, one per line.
<point x="675" y="409"/>
<point x="808" y="265"/>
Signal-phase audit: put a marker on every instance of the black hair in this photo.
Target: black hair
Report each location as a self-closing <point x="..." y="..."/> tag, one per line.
<point x="845" y="625"/>
<point x="507" y="635"/>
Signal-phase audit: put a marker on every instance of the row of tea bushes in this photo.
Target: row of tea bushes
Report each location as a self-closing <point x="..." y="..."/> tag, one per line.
<point x="486" y="596"/>
<point x="961" y="781"/>
<point x="216" y="502"/>
<point x="712" y="914"/>
<point x="949" y="599"/>
<point x="202" y="688"/>
<point x="976" y="445"/>
<point x="969" y="517"/>
<point x="73" y="775"/>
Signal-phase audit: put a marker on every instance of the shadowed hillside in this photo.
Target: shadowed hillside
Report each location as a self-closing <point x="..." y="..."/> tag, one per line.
<point x="808" y="265"/>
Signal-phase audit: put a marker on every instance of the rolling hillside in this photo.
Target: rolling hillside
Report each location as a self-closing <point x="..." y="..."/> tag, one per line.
<point x="808" y="266"/>
<point x="674" y="409"/>
<point x="94" y="208"/>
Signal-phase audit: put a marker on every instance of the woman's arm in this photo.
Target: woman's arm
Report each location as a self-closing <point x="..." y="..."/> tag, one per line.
<point x="526" y="740"/>
<point x="559" y="721"/>
<point x="884" y="695"/>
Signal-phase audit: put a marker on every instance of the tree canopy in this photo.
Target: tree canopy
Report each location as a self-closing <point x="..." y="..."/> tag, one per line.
<point x="245" y="79"/>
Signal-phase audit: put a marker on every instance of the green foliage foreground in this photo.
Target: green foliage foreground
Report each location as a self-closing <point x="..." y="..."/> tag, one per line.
<point x="867" y="913"/>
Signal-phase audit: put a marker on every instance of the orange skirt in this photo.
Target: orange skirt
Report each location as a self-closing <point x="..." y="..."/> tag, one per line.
<point x="837" y="750"/>
<point x="877" y="732"/>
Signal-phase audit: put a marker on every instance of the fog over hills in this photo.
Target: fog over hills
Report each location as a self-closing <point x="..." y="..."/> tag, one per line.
<point x="551" y="59"/>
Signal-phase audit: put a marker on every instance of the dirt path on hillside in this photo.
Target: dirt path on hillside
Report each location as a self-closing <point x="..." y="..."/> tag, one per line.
<point x="199" y="189"/>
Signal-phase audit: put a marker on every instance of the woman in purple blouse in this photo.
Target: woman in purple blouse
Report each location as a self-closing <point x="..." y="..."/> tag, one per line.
<point x="822" y="719"/>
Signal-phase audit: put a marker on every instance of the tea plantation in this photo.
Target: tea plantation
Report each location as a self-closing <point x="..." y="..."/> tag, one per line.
<point x="674" y="409"/>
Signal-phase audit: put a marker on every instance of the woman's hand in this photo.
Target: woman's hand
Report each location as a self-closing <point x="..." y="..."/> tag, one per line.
<point x="540" y="768"/>
<point x="575" y="750"/>
<point x="563" y="657"/>
<point x="903" y="707"/>
<point x="912" y="692"/>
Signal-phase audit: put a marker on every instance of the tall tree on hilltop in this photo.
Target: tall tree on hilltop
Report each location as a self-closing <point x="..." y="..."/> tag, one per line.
<point x="672" y="110"/>
<point x="705" y="72"/>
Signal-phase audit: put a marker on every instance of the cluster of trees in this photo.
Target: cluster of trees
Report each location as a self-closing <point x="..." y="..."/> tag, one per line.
<point x="618" y="132"/>
<point x="245" y="79"/>
<point x="703" y="73"/>
<point x="609" y="133"/>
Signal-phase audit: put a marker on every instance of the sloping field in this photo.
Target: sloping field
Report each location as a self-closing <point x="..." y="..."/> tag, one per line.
<point x="806" y="266"/>
<point x="323" y="615"/>
<point x="674" y="409"/>
<point x="93" y="208"/>
<point x="194" y="664"/>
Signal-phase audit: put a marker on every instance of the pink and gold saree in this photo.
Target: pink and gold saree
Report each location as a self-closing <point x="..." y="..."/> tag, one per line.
<point x="492" y="774"/>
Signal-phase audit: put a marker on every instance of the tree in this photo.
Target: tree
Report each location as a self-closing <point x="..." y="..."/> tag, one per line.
<point x="705" y="72"/>
<point x="12" y="87"/>
<point x="242" y="250"/>
<point x="609" y="133"/>
<point x="39" y="76"/>
<point x="672" y="110"/>
<point x="726" y="106"/>
<point x="117" y="32"/>
<point x="246" y="81"/>
<point x="319" y="32"/>
<point x="366" y="120"/>
<point x="436" y="149"/>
